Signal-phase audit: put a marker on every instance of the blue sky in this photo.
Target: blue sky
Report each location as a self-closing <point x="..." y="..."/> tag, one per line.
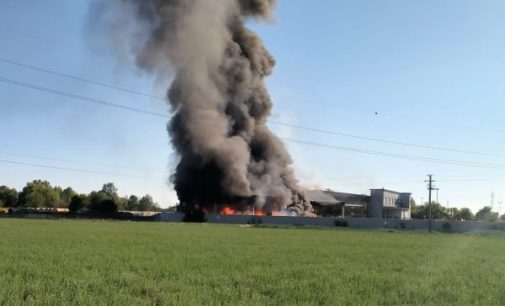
<point x="421" y="72"/>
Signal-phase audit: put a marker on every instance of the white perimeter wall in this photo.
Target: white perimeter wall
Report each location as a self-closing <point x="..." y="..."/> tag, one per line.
<point x="455" y="226"/>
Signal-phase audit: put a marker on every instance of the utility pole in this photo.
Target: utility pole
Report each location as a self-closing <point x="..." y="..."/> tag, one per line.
<point x="492" y="201"/>
<point x="430" y="182"/>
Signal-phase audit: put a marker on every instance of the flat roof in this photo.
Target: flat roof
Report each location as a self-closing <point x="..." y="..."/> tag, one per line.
<point x="330" y="197"/>
<point x="382" y="189"/>
<point x="320" y="197"/>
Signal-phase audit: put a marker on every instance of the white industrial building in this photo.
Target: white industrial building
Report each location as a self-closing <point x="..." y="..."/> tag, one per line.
<point x="388" y="204"/>
<point x="381" y="204"/>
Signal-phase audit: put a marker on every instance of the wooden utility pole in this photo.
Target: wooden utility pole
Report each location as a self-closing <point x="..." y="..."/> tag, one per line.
<point x="430" y="188"/>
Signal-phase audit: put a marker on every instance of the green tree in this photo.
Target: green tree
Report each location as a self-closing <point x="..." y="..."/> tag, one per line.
<point x="77" y="203"/>
<point x="107" y="206"/>
<point x="417" y="212"/>
<point x="133" y="203"/>
<point x="8" y="197"/>
<point x="95" y="198"/>
<point x="66" y="196"/>
<point x="122" y="203"/>
<point x="486" y="214"/>
<point x="39" y="194"/>
<point x="438" y="212"/>
<point x="110" y="190"/>
<point x="453" y="213"/>
<point x="147" y="204"/>
<point x="412" y="202"/>
<point x="465" y="214"/>
<point x="105" y="200"/>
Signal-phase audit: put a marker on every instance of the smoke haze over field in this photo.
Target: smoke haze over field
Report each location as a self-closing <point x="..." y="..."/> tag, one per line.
<point x="218" y="97"/>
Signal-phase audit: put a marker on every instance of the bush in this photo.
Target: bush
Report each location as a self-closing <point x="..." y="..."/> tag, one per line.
<point x="340" y="223"/>
<point x="76" y="204"/>
<point x="446" y="226"/>
<point x="195" y="215"/>
<point x="255" y="221"/>
<point x="106" y="207"/>
<point x="401" y="225"/>
<point x="498" y="226"/>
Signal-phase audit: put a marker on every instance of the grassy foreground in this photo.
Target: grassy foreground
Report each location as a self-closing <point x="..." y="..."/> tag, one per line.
<point x="126" y="263"/>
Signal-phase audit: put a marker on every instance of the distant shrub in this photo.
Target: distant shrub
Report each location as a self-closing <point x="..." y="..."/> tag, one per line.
<point x="106" y="207"/>
<point x="498" y="226"/>
<point x="447" y="227"/>
<point x="340" y="223"/>
<point x="76" y="204"/>
<point x="195" y="216"/>
<point x="255" y="221"/>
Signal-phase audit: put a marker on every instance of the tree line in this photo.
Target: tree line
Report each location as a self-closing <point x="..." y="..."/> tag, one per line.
<point x="439" y="212"/>
<point x="40" y="194"/>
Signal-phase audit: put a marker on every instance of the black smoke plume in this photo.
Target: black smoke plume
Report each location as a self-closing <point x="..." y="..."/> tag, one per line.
<point x="219" y="100"/>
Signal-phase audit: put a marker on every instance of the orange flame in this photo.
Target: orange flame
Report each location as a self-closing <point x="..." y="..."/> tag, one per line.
<point x="228" y="211"/>
<point x="259" y="212"/>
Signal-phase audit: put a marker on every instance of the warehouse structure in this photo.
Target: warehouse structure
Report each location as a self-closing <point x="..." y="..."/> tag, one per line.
<point x="381" y="203"/>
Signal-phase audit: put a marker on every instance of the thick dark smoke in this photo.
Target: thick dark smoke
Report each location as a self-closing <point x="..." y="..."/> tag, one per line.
<point x="219" y="100"/>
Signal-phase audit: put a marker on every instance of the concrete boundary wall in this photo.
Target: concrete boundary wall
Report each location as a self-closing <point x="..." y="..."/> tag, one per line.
<point x="442" y="226"/>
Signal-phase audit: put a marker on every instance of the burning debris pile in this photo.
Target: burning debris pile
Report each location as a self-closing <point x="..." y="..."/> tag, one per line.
<point x="219" y="101"/>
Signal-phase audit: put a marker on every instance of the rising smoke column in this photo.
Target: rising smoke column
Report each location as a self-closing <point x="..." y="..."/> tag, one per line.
<point x="219" y="100"/>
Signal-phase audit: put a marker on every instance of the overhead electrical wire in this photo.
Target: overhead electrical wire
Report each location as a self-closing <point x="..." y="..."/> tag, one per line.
<point x="82" y="98"/>
<point x="4" y="161"/>
<point x="77" y="162"/>
<point x="157" y="178"/>
<point x="123" y="107"/>
<point x="4" y="60"/>
<point x="68" y="45"/>
<point x="402" y="156"/>
<point x="76" y="78"/>
<point x="157" y="114"/>
<point x="311" y="129"/>
<point x="383" y="140"/>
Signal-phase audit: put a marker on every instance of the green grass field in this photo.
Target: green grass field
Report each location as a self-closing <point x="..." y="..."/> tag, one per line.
<point x="127" y="263"/>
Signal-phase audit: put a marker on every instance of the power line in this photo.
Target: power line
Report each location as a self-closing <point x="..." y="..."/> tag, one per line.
<point x="82" y="98"/>
<point x="354" y="181"/>
<point x="68" y="76"/>
<point x="78" y="162"/>
<point x="200" y="180"/>
<point x="110" y="104"/>
<point x="361" y="111"/>
<point x="401" y="156"/>
<point x="382" y="140"/>
<point x="114" y="105"/>
<point x="471" y="180"/>
<point x="75" y="169"/>
<point x="68" y="45"/>
<point x="270" y="121"/>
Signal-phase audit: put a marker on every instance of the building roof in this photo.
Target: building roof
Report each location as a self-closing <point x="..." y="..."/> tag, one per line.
<point x="396" y="208"/>
<point x="320" y="196"/>
<point x="392" y="191"/>
<point x="348" y="198"/>
<point x="329" y="197"/>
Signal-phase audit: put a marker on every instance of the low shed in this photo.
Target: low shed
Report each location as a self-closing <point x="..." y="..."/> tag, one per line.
<point x="332" y="203"/>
